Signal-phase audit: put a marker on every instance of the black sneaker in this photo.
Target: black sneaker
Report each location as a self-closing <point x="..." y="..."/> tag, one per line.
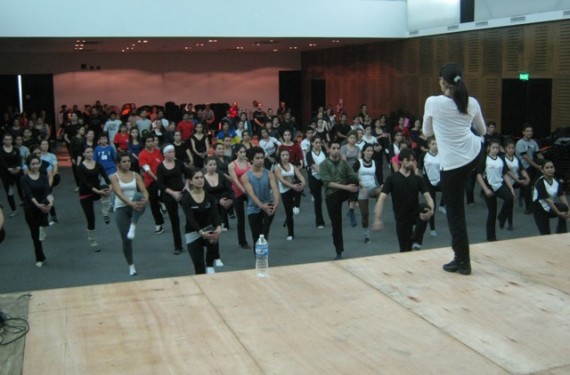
<point x="464" y="267"/>
<point x="177" y="251"/>
<point x="338" y="256"/>
<point x="367" y="240"/>
<point x="107" y="219"/>
<point x="158" y="229"/>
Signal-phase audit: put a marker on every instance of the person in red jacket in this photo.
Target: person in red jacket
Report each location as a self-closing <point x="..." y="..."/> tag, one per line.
<point x="149" y="160"/>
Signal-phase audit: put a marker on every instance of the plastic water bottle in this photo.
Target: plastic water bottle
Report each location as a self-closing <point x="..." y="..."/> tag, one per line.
<point x="262" y="257"/>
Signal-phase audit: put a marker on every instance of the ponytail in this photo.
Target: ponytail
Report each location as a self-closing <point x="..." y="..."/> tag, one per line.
<point x="452" y="75"/>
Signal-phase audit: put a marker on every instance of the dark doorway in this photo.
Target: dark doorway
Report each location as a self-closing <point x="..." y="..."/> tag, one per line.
<point x="290" y="91"/>
<point x="526" y="101"/>
<point x="9" y="93"/>
<point x="318" y="94"/>
<point x="37" y="94"/>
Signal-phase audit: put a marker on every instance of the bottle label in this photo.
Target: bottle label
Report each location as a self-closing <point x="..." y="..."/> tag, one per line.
<point x="261" y="250"/>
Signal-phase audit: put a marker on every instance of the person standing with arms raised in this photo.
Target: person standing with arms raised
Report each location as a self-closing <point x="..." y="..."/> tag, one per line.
<point x="450" y="117"/>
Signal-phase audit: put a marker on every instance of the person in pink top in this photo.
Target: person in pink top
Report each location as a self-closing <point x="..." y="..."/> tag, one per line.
<point x="236" y="169"/>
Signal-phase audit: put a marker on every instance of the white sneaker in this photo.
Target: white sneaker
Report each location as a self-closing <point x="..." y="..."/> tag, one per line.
<point x="132" y="232"/>
<point x="442" y="210"/>
<point x="132" y="270"/>
<point x="289" y="238"/>
<point x="218" y="263"/>
<point x="433" y="233"/>
<point x="43" y="234"/>
<point x="13" y="214"/>
<point x="77" y="189"/>
<point x="296" y="210"/>
<point x="210" y="270"/>
<point x="416" y="246"/>
<point x="39" y="264"/>
<point x="321" y="227"/>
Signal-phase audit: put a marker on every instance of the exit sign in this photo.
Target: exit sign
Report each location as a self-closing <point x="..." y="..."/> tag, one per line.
<point x="524" y="76"/>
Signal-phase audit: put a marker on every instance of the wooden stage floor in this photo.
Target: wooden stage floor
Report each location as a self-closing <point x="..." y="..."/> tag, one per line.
<point x="390" y="314"/>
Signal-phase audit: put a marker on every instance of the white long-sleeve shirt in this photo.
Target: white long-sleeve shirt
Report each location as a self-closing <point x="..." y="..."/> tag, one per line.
<point x="456" y="143"/>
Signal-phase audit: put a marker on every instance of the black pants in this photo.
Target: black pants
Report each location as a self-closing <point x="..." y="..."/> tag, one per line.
<point x="36" y="219"/>
<point x="89" y="211"/>
<point x="542" y="219"/>
<point x="508" y="199"/>
<point x="75" y="174"/>
<point x="334" y="203"/>
<point x="316" y="188"/>
<point x="259" y="223"/>
<point x="172" y="208"/>
<point x="239" y="204"/>
<point x="196" y="251"/>
<point x="10" y="181"/>
<point x="432" y="190"/>
<point x="527" y="190"/>
<point x="410" y="230"/>
<point x="452" y="190"/>
<point x="288" y="199"/>
<point x="154" y="199"/>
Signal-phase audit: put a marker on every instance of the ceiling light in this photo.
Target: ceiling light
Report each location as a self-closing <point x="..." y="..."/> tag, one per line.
<point x="275" y="50"/>
<point x="145" y="41"/>
<point x="213" y="41"/>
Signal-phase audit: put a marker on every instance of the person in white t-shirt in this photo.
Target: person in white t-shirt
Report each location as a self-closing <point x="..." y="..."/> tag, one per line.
<point x="450" y="117"/>
<point x="493" y="178"/>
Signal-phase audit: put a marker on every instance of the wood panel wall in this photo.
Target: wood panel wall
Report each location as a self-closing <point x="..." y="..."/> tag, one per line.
<point x="400" y="75"/>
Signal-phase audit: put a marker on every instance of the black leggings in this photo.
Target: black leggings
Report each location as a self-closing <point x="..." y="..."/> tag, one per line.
<point x="9" y="181"/>
<point x="36" y="219"/>
<point x="542" y="218"/>
<point x="453" y="189"/>
<point x="316" y="188"/>
<point x="505" y="194"/>
<point x="288" y="199"/>
<point x="172" y="208"/>
<point x="432" y="190"/>
<point x="239" y="204"/>
<point x="154" y="199"/>
<point x="196" y="251"/>
<point x="89" y="211"/>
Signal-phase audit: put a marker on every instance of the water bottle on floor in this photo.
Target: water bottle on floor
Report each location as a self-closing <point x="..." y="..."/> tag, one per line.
<point x="262" y="257"/>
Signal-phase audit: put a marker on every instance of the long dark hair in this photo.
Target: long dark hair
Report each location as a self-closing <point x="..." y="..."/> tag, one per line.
<point x="452" y="75"/>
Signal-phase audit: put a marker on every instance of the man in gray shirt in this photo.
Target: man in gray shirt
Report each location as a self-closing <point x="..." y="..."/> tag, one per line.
<point x="527" y="151"/>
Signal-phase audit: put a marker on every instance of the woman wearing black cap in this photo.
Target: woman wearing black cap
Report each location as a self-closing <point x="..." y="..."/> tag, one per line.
<point x="450" y="117"/>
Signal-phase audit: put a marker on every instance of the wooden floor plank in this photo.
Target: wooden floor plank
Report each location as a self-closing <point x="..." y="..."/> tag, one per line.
<point x="153" y="327"/>
<point x="319" y="319"/>
<point x="543" y="258"/>
<point x="510" y="317"/>
<point x="397" y="313"/>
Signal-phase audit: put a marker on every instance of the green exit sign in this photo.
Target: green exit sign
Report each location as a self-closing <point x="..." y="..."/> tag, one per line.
<point x="524" y="76"/>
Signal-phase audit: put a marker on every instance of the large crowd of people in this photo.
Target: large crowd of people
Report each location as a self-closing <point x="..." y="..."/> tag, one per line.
<point x="255" y="161"/>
